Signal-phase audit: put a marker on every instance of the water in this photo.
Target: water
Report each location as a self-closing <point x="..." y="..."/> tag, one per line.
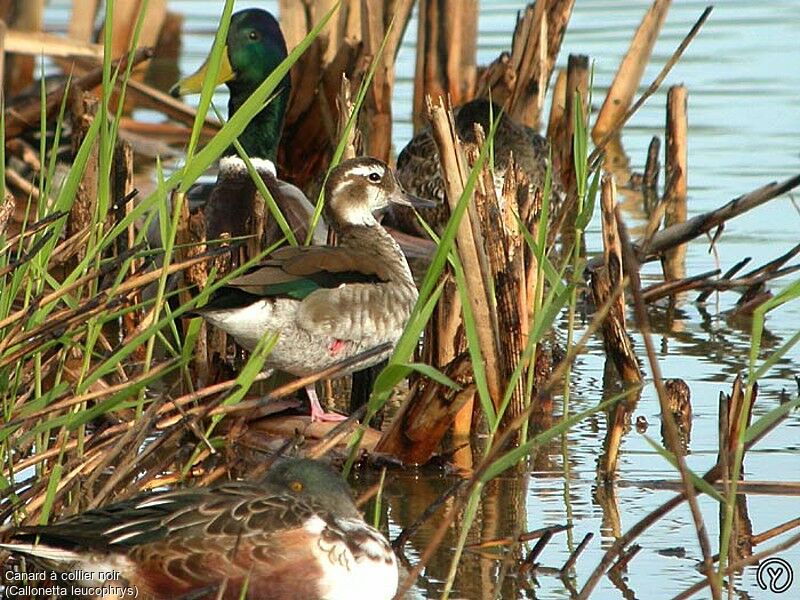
<point x="744" y="131"/>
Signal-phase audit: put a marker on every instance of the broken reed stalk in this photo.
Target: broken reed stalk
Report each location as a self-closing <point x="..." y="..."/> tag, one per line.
<point x="696" y="226"/>
<point x="577" y="85"/>
<point x="469" y="247"/>
<point x="672" y="435"/>
<point x="418" y="428"/>
<point x="676" y="169"/>
<point x="376" y="20"/>
<point x="518" y="81"/>
<point x="652" y="167"/>
<point x="82" y="212"/>
<point x="653" y="87"/>
<point x="557" y="107"/>
<point x="498" y="226"/>
<point x="616" y="342"/>
<point x="446" y="54"/>
<point x="631" y="69"/>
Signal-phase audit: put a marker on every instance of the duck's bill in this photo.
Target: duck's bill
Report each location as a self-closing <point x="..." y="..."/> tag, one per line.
<point x="193" y="84"/>
<point x="405" y="199"/>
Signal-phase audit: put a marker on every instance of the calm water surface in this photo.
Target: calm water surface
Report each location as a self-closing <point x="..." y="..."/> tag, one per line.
<point x="744" y="131"/>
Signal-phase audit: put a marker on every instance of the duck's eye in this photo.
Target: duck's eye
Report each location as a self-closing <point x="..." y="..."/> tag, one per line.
<point x="296" y="486"/>
<point x="374" y="177"/>
<point x="253" y="35"/>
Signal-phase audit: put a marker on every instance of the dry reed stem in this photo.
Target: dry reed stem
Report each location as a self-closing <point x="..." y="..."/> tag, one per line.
<point x="652" y="88"/>
<point x="670" y="288"/>
<point x="558" y="105"/>
<point x="424" y="417"/>
<point x="124" y="23"/>
<point x="631" y="69"/>
<point x="94" y="395"/>
<point x="344" y="106"/>
<point x="676" y="169"/>
<point x="248" y="405"/>
<point x="703" y="223"/>
<point x="28" y="116"/>
<point x="504" y="246"/>
<point x="616" y="342"/>
<point x="36" y="43"/>
<point x="446" y="54"/>
<point x="82" y="19"/>
<point x="469" y="247"/>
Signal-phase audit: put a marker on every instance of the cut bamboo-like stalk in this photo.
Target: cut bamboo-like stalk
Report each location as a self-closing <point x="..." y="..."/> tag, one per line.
<point x="631" y="69"/>
<point x="81" y="21"/>
<point x="126" y="14"/>
<point x="454" y="171"/>
<point x="676" y="169"/>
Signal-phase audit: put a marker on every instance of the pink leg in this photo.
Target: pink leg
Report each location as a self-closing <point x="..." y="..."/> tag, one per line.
<point x="317" y="413"/>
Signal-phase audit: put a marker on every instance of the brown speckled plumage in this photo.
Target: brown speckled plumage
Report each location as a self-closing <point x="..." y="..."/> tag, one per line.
<point x="418" y="163"/>
<point x="292" y="535"/>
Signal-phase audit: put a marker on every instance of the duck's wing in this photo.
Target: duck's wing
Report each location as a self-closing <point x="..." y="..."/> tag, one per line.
<point x="342" y="293"/>
<point x="296" y="272"/>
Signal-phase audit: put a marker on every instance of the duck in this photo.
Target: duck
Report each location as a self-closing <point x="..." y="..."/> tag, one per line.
<point x="328" y="303"/>
<point x="254" y="48"/>
<point x="419" y="172"/>
<point x="295" y="534"/>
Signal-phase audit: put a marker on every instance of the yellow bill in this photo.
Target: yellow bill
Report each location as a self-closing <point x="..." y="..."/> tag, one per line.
<point x="193" y="84"/>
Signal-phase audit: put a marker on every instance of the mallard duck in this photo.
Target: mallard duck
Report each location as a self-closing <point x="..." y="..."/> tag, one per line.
<point x="328" y="303"/>
<point x="418" y="163"/>
<point x="255" y="46"/>
<point x="296" y="534"/>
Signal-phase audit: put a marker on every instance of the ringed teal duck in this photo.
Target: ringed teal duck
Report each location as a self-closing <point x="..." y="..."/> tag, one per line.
<point x="328" y="303"/>
<point x="296" y="534"/>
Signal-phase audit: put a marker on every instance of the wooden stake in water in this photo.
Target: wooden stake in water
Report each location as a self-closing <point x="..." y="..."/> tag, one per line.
<point x="674" y="259"/>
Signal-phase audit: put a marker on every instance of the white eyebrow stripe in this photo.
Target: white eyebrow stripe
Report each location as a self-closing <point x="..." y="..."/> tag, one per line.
<point x="367" y="170"/>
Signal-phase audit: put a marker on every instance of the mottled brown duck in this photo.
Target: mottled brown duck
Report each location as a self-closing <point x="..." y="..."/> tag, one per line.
<point x="419" y="172"/>
<point x="295" y="534"/>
